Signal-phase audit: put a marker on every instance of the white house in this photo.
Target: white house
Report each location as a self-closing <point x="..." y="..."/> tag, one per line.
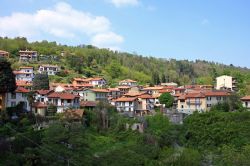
<point x="226" y="82"/>
<point x="128" y="82"/>
<point x="63" y="101"/>
<point x="49" y="69"/>
<point x="246" y="101"/>
<point x="42" y="95"/>
<point x="18" y="97"/>
<point x="126" y="104"/>
<point x="24" y="74"/>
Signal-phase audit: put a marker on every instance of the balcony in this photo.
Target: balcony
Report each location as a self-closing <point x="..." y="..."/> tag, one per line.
<point x="194" y="102"/>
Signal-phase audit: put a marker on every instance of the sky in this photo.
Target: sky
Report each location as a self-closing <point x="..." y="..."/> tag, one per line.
<point x="212" y="30"/>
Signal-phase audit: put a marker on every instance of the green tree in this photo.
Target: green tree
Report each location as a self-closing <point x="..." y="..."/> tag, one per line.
<point x="41" y="81"/>
<point x="167" y="99"/>
<point x="114" y="70"/>
<point x="7" y="80"/>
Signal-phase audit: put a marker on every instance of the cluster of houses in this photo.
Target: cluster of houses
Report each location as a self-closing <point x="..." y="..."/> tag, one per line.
<point x="128" y="96"/>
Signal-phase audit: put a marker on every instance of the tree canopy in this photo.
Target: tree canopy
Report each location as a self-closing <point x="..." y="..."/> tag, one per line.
<point x="7" y="78"/>
<point x="41" y="81"/>
<point x="167" y="99"/>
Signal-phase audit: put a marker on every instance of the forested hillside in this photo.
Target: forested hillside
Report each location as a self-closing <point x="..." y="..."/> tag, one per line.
<point x="88" y="60"/>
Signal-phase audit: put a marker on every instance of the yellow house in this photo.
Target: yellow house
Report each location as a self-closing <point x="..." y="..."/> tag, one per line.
<point x="200" y="101"/>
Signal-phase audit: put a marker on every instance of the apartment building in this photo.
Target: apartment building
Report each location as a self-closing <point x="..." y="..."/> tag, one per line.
<point x="48" y="69"/>
<point x="200" y="101"/>
<point x="226" y="82"/>
<point x="25" y="73"/>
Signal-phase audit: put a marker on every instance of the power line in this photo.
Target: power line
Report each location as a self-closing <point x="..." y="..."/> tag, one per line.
<point x="43" y="148"/>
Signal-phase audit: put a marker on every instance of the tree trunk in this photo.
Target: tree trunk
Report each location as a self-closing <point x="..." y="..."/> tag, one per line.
<point x="2" y="99"/>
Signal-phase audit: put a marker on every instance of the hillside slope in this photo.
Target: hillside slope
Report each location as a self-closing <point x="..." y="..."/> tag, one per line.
<point x="89" y="61"/>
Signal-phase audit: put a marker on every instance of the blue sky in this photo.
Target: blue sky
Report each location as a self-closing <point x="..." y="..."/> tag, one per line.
<point x="214" y="30"/>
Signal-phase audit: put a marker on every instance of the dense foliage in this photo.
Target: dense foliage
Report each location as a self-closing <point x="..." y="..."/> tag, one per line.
<point x="7" y="78"/>
<point x="167" y="99"/>
<point x="89" y="61"/>
<point x="41" y="81"/>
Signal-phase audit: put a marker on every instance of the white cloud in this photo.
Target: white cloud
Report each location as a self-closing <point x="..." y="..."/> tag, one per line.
<point x="106" y="39"/>
<point x="120" y="3"/>
<point x="205" y="22"/>
<point x="62" y="22"/>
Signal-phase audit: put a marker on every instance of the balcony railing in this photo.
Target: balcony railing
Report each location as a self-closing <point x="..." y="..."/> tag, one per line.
<point x="194" y="102"/>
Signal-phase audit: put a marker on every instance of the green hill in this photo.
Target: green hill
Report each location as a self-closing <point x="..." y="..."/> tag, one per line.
<point x="88" y="60"/>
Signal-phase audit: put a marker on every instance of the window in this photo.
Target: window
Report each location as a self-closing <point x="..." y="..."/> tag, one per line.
<point x="68" y="101"/>
<point x="13" y="104"/>
<point x="182" y="106"/>
<point x="209" y="98"/>
<point x="218" y="98"/>
<point x="209" y="105"/>
<point x="42" y="99"/>
<point x="246" y="103"/>
<point x="13" y="95"/>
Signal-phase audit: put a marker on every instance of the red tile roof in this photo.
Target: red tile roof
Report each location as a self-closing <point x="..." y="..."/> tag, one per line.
<point x="88" y="103"/>
<point x="21" y="90"/>
<point x="23" y="83"/>
<point x="146" y="96"/>
<point x="126" y="99"/>
<point x="246" y="98"/>
<point x="216" y="93"/>
<point x="100" y="90"/>
<point x="62" y="95"/>
<point x="39" y="105"/>
<point x="44" y="92"/>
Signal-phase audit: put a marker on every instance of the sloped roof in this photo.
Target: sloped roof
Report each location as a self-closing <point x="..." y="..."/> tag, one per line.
<point x="39" y="105"/>
<point x="128" y="80"/>
<point x="62" y="95"/>
<point x="44" y="92"/>
<point x="126" y="99"/>
<point x="21" y="90"/>
<point x="100" y="90"/>
<point x="88" y="103"/>
<point x="146" y="96"/>
<point x="245" y="98"/>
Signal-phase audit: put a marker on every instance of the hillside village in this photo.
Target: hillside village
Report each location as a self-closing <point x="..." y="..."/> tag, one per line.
<point x="128" y="97"/>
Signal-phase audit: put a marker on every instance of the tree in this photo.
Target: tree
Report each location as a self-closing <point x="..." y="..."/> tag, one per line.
<point x="167" y="99"/>
<point x="7" y="80"/>
<point x="41" y="81"/>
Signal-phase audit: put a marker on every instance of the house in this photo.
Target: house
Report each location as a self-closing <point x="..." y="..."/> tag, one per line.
<point x="226" y="82"/>
<point x="63" y="101"/>
<point x="146" y="104"/>
<point x="40" y="108"/>
<point x="88" y="105"/>
<point x="4" y="54"/>
<point x="93" y="81"/>
<point x="123" y="89"/>
<point x="126" y="104"/>
<point x="114" y="93"/>
<point x="128" y="82"/>
<point x="19" y="96"/>
<point x="24" y="84"/>
<point x="48" y="69"/>
<point x="26" y="56"/>
<point x="153" y="90"/>
<point x="171" y="84"/>
<point x="96" y="95"/>
<point x="25" y="73"/>
<point x="42" y="95"/>
<point x="246" y="102"/>
<point x="200" y="101"/>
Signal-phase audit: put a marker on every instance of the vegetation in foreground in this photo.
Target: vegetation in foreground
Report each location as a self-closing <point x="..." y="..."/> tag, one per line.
<point x="104" y="138"/>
